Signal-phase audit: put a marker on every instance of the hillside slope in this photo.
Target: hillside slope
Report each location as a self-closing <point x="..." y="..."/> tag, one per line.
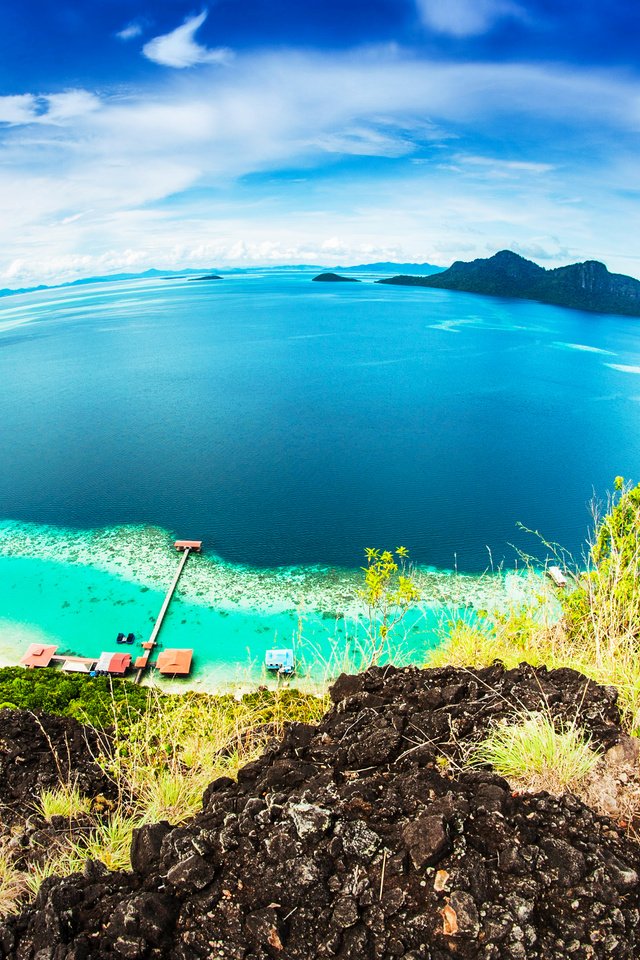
<point x="363" y="838"/>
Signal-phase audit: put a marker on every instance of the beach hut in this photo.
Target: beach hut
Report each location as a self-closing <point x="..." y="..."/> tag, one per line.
<point x="280" y="661"/>
<point x="102" y="665"/>
<point x="120" y="663"/>
<point x="116" y="663"/>
<point x="176" y="663"/>
<point x="38" y="655"/>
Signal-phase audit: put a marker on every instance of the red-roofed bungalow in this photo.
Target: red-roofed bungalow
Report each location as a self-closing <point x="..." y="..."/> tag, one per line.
<point x="38" y="655"/>
<point x="175" y="662"/>
<point x="120" y="663"/>
<point x="188" y="545"/>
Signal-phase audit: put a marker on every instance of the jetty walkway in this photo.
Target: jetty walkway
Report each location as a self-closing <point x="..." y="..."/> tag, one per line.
<point x="141" y="664"/>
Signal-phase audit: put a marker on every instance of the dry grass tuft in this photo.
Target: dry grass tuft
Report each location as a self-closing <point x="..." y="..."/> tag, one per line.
<point x="13" y="884"/>
<point x="533" y="755"/>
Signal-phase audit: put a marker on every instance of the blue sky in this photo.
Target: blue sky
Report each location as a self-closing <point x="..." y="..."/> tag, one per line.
<point x="280" y="131"/>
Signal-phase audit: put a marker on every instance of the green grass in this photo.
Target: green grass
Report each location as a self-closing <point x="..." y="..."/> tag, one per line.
<point x="166" y="749"/>
<point x="109" y="842"/>
<point x="64" y="801"/>
<point x="168" y="757"/>
<point x="533" y="753"/>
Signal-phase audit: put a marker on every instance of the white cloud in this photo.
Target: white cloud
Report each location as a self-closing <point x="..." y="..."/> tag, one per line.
<point x="495" y="168"/>
<point x="18" y="109"/>
<point x="83" y="178"/>
<point x="179" y="48"/>
<point x="466" y="18"/>
<point x="70" y="105"/>
<point x="541" y="248"/>
<point x="56" y="108"/>
<point x="131" y="31"/>
<point x="364" y="142"/>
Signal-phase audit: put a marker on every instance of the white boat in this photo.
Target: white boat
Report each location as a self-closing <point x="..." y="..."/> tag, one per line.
<point x="557" y="576"/>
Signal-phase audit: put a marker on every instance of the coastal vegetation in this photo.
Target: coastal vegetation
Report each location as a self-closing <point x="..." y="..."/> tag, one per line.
<point x="389" y="592"/>
<point x="535" y="753"/>
<point x="598" y="632"/>
<point x="158" y="751"/>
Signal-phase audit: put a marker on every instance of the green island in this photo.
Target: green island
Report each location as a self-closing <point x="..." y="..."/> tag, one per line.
<point x="581" y="286"/>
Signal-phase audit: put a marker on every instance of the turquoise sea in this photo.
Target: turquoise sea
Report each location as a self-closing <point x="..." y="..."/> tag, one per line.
<point x="289" y="425"/>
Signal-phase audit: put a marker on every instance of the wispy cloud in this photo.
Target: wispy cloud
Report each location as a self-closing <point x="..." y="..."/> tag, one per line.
<point x="496" y="168"/>
<point x="56" y="108"/>
<point x="467" y="18"/>
<point x="179" y="48"/>
<point x="70" y="105"/>
<point x="18" y="109"/>
<point x="132" y="30"/>
<point x="188" y="172"/>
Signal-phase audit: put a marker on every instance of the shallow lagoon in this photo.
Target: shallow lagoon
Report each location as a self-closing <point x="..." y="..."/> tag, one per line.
<point x="78" y="589"/>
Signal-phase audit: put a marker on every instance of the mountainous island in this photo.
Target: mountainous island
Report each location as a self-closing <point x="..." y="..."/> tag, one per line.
<point x="424" y="269"/>
<point x="334" y="278"/>
<point x="582" y="286"/>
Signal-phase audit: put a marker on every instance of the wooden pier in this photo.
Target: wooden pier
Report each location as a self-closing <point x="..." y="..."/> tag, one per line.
<point x="143" y="662"/>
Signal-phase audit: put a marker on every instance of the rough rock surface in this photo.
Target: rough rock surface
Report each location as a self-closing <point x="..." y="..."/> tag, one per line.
<point x="39" y="752"/>
<point x="348" y="840"/>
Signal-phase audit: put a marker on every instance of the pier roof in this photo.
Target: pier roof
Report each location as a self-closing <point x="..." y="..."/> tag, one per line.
<point x="188" y="544"/>
<point x="38" y="655"/>
<point x="176" y="662"/>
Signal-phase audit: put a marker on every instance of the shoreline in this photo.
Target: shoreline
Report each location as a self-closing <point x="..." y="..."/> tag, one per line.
<point x="91" y="584"/>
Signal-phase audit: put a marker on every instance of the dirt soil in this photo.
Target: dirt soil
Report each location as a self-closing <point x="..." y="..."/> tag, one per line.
<point x="360" y="838"/>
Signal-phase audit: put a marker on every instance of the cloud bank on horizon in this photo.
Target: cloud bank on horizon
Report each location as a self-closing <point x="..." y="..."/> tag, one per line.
<point x="425" y="130"/>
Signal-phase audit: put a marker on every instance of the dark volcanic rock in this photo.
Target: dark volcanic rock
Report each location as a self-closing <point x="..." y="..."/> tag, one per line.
<point x="39" y="752"/>
<point x="334" y="278"/>
<point x="583" y="286"/>
<point x="319" y="851"/>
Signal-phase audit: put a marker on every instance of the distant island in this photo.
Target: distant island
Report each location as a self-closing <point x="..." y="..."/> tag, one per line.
<point x="334" y="278"/>
<point x="209" y="276"/>
<point x="187" y="273"/>
<point x="582" y="286"/>
<point x="424" y="269"/>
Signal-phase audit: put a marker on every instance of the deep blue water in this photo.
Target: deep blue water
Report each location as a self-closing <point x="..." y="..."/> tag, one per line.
<point x="285" y="421"/>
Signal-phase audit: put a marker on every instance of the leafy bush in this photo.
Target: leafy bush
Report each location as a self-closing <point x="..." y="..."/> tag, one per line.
<point x="606" y="604"/>
<point x="87" y="699"/>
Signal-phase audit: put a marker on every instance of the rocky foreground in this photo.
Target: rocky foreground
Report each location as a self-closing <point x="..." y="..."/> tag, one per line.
<point x="362" y="838"/>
